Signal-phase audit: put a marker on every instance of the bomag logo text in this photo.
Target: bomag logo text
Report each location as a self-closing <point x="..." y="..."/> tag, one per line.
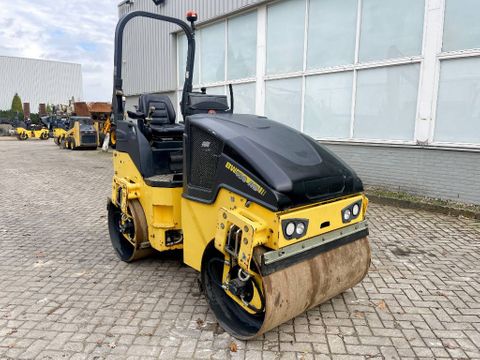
<point x="245" y="179"/>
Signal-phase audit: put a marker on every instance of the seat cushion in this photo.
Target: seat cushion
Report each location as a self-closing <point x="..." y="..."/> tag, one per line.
<point x="174" y="130"/>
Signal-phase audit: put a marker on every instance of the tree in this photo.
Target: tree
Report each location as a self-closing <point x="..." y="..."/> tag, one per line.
<point x="49" y="109"/>
<point x="17" y="104"/>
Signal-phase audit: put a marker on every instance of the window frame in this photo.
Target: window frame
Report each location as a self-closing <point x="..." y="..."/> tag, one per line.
<point x="440" y="56"/>
<point x="225" y="82"/>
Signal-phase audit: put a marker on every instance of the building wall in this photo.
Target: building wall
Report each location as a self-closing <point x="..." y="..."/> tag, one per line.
<point x="150" y="55"/>
<point x="444" y="174"/>
<point x="38" y="81"/>
<point x="391" y="83"/>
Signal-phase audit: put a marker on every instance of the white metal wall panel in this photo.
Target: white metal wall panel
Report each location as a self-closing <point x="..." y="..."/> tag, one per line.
<point x="149" y="60"/>
<point x="38" y="81"/>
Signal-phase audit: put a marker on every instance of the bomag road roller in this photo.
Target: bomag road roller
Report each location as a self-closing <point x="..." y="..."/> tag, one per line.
<point x="25" y="132"/>
<point x="82" y="133"/>
<point x="273" y="221"/>
<point x="57" y="127"/>
<point x="59" y="134"/>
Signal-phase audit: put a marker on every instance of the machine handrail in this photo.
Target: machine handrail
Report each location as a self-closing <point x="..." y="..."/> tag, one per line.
<point x="189" y="30"/>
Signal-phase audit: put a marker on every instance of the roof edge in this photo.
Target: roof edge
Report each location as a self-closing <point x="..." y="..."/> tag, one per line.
<point x="45" y="60"/>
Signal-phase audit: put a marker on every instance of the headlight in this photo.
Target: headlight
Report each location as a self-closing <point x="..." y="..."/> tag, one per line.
<point x="300" y="229"/>
<point x="351" y="212"/>
<point x="290" y="229"/>
<point x="356" y="210"/>
<point x="294" y="228"/>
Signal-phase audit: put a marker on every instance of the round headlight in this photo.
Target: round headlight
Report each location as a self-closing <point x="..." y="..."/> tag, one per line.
<point x="290" y="229"/>
<point x="347" y="215"/>
<point x="355" y="210"/>
<point x="300" y="229"/>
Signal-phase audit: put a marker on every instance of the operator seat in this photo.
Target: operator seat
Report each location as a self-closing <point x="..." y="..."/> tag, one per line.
<point x="162" y="117"/>
<point x="163" y="161"/>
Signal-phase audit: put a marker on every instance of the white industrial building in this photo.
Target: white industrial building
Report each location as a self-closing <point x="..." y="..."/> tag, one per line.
<point x="38" y="81"/>
<point x="392" y="86"/>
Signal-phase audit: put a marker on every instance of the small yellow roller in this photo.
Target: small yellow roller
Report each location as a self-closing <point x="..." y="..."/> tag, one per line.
<point x="32" y="132"/>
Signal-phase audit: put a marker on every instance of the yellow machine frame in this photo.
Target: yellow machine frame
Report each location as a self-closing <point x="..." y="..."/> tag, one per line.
<point x="165" y="208"/>
<point x="202" y="224"/>
<point x="162" y="206"/>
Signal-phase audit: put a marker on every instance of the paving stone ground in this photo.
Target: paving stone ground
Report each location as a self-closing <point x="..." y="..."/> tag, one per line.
<point x="64" y="294"/>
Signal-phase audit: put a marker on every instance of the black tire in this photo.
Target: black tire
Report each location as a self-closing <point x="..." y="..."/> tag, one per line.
<point x="56" y="140"/>
<point x="44" y="136"/>
<point x="231" y="316"/>
<point x="124" y="249"/>
<point x="22" y="136"/>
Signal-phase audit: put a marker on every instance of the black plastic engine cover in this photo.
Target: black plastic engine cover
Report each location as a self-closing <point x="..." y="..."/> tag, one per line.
<point x="288" y="166"/>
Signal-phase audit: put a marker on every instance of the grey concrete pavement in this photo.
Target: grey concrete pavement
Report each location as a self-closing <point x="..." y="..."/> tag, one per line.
<point x="65" y="295"/>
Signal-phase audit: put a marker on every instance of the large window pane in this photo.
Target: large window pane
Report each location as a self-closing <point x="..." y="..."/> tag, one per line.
<point x="182" y="60"/>
<point x="391" y="29"/>
<point x="285" y="34"/>
<point x="213" y="53"/>
<point x="386" y="103"/>
<point x="242" y="46"/>
<point x="462" y="25"/>
<point x="328" y="103"/>
<point x="283" y="101"/>
<point x="331" y="33"/>
<point x="458" y="111"/>
<point x="244" y="97"/>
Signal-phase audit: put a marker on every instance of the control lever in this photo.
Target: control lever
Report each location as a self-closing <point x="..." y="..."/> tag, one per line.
<point x="151" y="111"/>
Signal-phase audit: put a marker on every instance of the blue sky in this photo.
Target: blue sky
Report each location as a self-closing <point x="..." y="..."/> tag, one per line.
<point x="79" y="31"/>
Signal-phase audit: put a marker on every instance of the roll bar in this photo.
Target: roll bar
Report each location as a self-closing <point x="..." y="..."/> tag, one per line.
<point x="189" y="30"/>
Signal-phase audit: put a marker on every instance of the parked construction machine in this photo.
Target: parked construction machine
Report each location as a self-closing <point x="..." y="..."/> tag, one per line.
<point x="58" y="128"/>
<point x="109" y="138"/>
<point x="82" y="133"/>
<point x="273" y="221"/>
<point x="25" y="132"/>
<point x="59" y="133"/>
<point x="100" y="112"/>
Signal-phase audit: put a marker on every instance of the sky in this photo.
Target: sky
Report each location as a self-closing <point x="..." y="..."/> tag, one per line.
<point x="79" y="31"/>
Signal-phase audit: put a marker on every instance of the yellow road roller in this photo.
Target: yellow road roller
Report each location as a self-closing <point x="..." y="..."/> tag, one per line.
<point x="32" y="132"/>
<point x="59" y="134"/>
<point x="273" y="221"/>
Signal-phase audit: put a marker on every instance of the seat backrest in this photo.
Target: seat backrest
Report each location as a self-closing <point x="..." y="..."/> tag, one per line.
<point x="164" y="113"/>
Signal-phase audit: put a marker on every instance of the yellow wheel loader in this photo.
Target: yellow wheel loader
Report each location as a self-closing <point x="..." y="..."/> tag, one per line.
<point x="273" y="221"/>
<point x="32" y="132"/>
<point x="82" y="133"/>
